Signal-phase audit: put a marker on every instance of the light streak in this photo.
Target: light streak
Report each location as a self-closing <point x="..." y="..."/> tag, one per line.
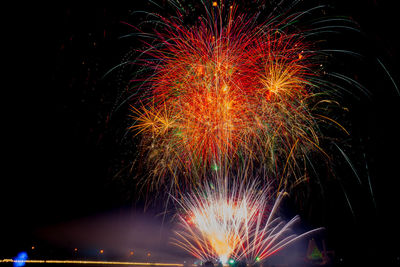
<point x="93" y="262"/>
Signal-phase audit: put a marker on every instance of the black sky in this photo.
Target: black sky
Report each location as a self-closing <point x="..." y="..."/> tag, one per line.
<point x="63" y="147"/>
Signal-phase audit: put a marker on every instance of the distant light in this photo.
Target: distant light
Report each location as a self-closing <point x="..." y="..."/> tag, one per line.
<point x="20" y="260"/>
<point x="231" y="261"/>
<point x="257" y="258"/>
<point x="75" y="249"/>
<point x="33" y="247"/>
<point x="131" y="253"/>
<point x="148" y="254"/>
<point x="215" y="3"/>
<point x="101" y="251"/>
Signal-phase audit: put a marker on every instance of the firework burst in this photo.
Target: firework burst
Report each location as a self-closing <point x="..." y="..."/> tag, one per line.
<point x="225" y="88"/>
<point x="232" y="220"/>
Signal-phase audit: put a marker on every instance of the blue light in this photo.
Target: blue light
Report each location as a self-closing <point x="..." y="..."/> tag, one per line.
<point x="19" y="261"/>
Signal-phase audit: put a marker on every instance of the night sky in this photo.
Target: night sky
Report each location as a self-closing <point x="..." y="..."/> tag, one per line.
<point x="66" y="140"/>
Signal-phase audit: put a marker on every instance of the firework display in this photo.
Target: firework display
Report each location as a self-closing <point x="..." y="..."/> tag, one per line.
<point x="218" y="102"/>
